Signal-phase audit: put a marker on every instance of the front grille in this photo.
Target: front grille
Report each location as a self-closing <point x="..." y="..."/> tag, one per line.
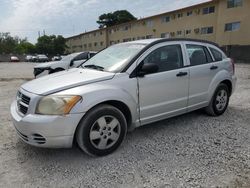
<point x="22" y="103"/>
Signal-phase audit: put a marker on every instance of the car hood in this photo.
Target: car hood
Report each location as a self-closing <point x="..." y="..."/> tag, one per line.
<point x="64" y="80"/>
<point x="48" y="64"/>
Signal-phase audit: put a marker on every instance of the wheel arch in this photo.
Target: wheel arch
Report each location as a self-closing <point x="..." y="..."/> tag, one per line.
<point x="229" y="84"/>
<point x="117" y="104"/>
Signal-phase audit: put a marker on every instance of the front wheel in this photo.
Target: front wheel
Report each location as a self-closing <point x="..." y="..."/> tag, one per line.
<point x="101" y="131"/>
<point x="219" y="102"/>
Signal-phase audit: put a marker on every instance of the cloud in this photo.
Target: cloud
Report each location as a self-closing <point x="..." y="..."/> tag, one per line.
<point x="68" y="17"/>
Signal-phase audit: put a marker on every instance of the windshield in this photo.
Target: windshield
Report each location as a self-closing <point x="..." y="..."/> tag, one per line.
<point x="114" y="58"/>
<point x="69" y="57"/>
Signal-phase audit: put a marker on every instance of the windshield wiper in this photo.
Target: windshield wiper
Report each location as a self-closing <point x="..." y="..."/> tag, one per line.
<point x="96" y="67"/>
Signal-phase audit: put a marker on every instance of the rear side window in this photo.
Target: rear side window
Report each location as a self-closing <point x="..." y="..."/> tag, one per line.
<point x="217" y="55"/>
<point x="198" y="54"/>
<point x="167" y="58"/>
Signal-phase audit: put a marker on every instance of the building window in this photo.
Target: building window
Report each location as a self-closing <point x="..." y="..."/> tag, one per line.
<point x="165" y="19"/>
<point x="234" y="3"/>
<point x="126" y="40"/>
<point x="207" y="30"/>
<point x="100" y="32"/>
<point x="149" y="36"/>
<point x="95" y="44"/>
<point x="85" y="46"/>
<point x="179" y="33"/>
<point x="165" y="35"/>
<point x="188" y="31"/>
<point x="179" y="15"/>
<point x="189" y="13"/>
<point x="232" y="26"/>
<point x="149" y="23"/>
<point x="208" y="10"/>
<point x="125" y="28"/>
<point x="101" y="43"/>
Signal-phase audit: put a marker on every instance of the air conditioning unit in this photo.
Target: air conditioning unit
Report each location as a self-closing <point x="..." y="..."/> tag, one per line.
<point x="197" y="30"/>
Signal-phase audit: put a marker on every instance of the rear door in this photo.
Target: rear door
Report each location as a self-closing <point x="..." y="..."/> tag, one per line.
<point x="202" y="71"/>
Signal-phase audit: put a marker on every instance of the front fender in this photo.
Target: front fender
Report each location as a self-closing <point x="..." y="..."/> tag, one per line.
<point x="94" y="94"/>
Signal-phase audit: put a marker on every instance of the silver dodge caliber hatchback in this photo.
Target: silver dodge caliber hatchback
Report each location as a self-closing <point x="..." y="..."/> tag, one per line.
<point x="123" y="87"/>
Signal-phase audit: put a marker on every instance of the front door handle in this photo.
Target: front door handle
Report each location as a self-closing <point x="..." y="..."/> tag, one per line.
<point x="181" y="74"/>
<point x="213" y="67"/>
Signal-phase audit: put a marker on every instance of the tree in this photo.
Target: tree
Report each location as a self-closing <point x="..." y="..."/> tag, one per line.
<point x="115" y="18"/>
<point x="8" y="43"/>
<point x="25" y="47"/>
<point x="51" y="45"/>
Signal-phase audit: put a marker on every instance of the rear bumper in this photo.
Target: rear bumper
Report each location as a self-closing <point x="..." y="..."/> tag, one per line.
<point x="45" y="131"/>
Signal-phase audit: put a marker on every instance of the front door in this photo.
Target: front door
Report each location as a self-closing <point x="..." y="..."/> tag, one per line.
<point x="165" y="93"/>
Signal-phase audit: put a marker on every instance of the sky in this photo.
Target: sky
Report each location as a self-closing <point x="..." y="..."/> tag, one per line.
<point x="25" y="18"/>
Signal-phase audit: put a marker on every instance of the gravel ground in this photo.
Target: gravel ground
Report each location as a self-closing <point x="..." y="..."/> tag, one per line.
<point x="192" y="150"/>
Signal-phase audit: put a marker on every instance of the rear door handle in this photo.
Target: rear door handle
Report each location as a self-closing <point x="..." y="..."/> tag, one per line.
<point x="213" y="67"/>
<point x="181" y="74"/>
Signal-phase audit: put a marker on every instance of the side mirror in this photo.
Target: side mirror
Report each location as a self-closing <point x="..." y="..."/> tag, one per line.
<point x="147" y="68"/>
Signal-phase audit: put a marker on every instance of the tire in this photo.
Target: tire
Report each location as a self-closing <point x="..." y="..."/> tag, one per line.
<point x="219" y="101"/>
<point x="101" y="131"/>
<point x="56" y="70"/>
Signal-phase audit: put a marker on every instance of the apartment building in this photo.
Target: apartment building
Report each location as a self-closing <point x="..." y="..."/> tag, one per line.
<point x="225" y="22"/>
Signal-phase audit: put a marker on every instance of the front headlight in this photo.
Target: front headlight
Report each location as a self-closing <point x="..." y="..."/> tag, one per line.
<point x="56" y="105"/>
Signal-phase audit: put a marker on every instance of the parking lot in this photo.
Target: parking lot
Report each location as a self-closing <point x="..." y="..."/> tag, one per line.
<point x="192" y="150"/>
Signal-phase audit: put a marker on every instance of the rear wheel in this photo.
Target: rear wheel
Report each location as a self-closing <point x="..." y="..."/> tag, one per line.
<point x="219" y="102"/>
<point x="101" y="131"/>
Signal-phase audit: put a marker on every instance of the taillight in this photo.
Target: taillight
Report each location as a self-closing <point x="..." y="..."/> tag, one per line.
<point x="232" y="62"/>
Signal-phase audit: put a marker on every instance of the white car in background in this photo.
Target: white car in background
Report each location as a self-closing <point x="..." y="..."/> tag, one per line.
<point x="67" y="62"/>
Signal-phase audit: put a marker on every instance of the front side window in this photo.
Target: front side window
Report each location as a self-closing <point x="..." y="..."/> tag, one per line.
<point x="114" y="58"/>
<point x="167" y="58"/>
<point x="198" y="54"/>
<point x="217" y="55"/>
<point x="234" y="3"/>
